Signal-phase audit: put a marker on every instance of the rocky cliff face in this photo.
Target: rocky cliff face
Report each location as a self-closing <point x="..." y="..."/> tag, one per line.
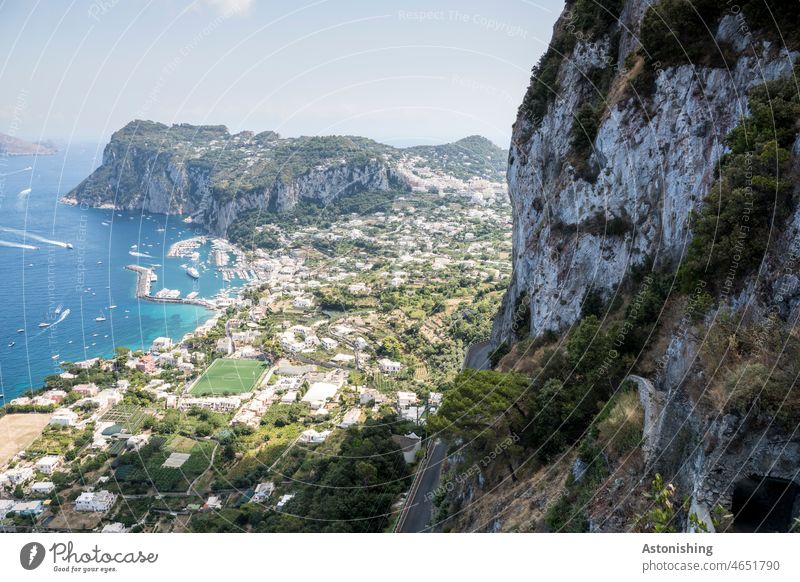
<point x="160" y="180"/>
<point x="214" y="176"/>
<point x="654" y="135"/>
<point x="652" y="161"/>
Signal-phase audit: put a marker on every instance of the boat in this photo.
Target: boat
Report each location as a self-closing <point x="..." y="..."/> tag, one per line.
<point x="193" y="273"/>
<point x="69" y="246"/>
<point x="54" y="357"/>
<point x="112" y="306"/>
<point x="44" y="324"/>
<point x="100" y="317"/>
<point x="20" y="330"/>
<point x="12" y="344"/>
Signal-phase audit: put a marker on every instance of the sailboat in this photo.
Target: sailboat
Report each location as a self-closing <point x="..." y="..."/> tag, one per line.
<point x="101" y="317"/>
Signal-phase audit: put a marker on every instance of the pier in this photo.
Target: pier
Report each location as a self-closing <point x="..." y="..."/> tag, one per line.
<point x="144" y="276"/>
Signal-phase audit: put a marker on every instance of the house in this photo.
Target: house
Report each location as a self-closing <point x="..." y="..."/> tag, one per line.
<point x="86" y="390"/>
<point x="63" y="417"/>
<point x="213" y="503"/>
<point x="48" y="464"/>
<point x="406" y="399"/>
<point x="115" y="527"/>
<point x="28" y="508"/>
<point x="388" y="366"/>
<point x="43" y="488"/>
<point x="329" y="343"/>
<point x="414" y="414"/>
<point x="262" y="491"/>
<point x="435" y="399"/>
<point x="319" y="393"/>
<point x="18" y="475"/>
<point x="95" y="501"/>
<point x="217" y="404"/>
<point x="225" y="346"/>
<point x="303" y="303"/>
<point x="312" y="436"/>
<point x="351" y="417"/>
<point x="146" y="364"/>
<point x="290" y="397"/>
<point x="367" y="395"/>
<point x="409" y="444"/>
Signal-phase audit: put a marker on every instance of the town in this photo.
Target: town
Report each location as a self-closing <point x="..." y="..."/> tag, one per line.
<point x="344" y="331"/>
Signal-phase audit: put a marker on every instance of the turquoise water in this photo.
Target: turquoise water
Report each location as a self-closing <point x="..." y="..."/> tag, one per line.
<point x="40" y="285"/>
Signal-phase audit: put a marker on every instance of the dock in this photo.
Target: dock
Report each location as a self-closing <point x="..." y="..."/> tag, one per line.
<point x="144" y="278"/>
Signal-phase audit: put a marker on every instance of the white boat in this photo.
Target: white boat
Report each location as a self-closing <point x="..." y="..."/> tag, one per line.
<point x="44" y="324"/>
<point x="69" y="246"/>
<point x="193" y="273"/>
<point x="54" y="357"/>
<point x="100" y="317"/>
<point x="12" y="344"/>
<point x="20" y="330"/>
<point x="112" y="306"/>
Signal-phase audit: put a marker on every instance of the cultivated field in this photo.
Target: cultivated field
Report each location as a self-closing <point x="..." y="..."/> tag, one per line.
<point x="17" y="431"/>
<point x="228" y="376"/>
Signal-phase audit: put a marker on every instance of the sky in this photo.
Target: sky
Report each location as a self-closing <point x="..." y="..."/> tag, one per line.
<point x="402" y="72"/>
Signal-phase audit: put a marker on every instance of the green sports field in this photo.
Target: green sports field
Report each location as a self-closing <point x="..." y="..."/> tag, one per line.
<point x="226" y="376"/>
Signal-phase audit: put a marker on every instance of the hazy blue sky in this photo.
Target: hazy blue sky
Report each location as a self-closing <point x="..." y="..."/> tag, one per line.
<point x="400" y="72"/>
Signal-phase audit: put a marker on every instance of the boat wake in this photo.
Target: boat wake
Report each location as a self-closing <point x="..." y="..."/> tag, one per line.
<point x="15" y="245"/>
<point x="36" y="237"/>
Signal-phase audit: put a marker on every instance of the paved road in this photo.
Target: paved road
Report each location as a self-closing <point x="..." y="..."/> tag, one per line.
<point x="418" y="511"/>
<point x="477" y="357"/>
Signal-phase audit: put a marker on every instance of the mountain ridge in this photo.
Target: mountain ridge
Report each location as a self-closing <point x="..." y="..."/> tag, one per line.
<point x="214" y="176"/>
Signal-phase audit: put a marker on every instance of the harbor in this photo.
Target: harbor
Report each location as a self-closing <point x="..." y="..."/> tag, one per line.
<point x="144" y="279"/>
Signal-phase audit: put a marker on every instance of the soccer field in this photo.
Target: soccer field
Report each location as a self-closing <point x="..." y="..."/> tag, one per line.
<point x="226" y="376"/>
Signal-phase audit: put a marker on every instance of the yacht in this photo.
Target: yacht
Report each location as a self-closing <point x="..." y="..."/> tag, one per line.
<point x="20" y="330"/>
<point x="193" y="273"/>
<point x="100" y="317"/>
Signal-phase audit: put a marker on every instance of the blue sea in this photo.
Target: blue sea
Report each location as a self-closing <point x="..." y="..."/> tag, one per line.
<point x="40" y="284"/>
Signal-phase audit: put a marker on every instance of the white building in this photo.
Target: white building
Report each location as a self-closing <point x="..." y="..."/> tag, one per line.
<point x="388" y="366"/>
<point x="97" y="501"/>
<point x="17" y="476"/>
<point x="351" y="417"/>
<point x="262" y="491"/>
<point x="319" y="393"/>
<point x="43" y="488"/>
<point x="63" y="417"/>
<point x="406" y="399"/>
<point x="303" y="303"/>
<point x="329" y="343"/>
<point x="48" y="464"/>
<point x="312" y="436"/>
<point x="218" y="404"/>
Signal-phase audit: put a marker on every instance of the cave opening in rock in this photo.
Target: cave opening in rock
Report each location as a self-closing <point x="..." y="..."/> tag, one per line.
<point x="764" y="504"/>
